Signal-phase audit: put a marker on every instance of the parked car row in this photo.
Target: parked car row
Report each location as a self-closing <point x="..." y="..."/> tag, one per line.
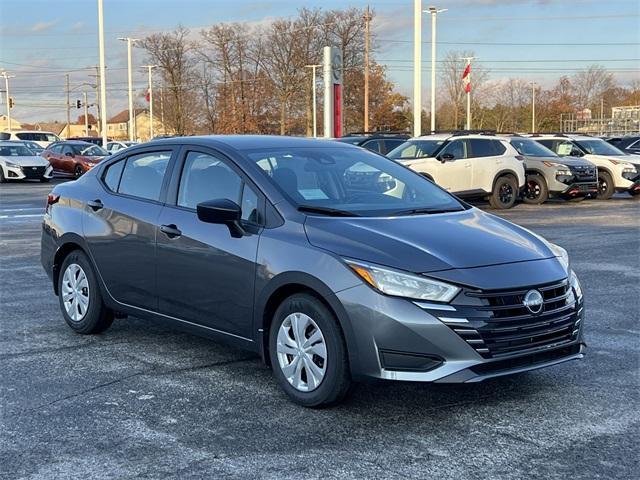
<point x="503" y="168"/>
<point x="23" y="156"/>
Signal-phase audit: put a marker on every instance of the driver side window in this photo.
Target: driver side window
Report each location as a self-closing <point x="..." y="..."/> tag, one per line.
<point x="457" y="148"/>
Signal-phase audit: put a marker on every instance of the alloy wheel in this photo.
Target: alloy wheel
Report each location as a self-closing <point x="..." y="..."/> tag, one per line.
<point x="505" y="194"/>
<point x="533" y="190"/>
<point x="75" y="292"/>
<point x="603" y="186"/>
<point x="302" y="352"/>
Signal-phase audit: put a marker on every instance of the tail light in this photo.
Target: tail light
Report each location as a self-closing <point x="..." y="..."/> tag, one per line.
<point x="520" y="157"/>
<point x="52" y="199"/>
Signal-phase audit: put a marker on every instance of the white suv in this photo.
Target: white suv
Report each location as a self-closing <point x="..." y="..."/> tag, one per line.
<point x="617" y="171"/>
<point x="467" y="164"/>
<point x="42" y="138"/>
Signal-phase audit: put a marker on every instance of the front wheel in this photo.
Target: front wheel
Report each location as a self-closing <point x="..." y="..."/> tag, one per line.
<point x="308" y="352"/>
<point x="606" y="188"/>
<point x="79" y="294"/>
<point x="2" y="177"/>
<point x="536" y="191"/>
<point x="504" y="193"/>
<point x="77" y="171"/>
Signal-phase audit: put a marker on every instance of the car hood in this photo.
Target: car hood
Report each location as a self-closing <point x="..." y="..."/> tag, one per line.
<point x="569" y="161"/>
<point x="635" y="159"/>
<point x="428" y="243"/>
<point x="30" y="161"/>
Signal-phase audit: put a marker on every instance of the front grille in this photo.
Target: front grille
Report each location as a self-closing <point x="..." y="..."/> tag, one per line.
<point x="583" y="173"/>
<point x="33" y="172"/>
<point x="498" y="324"/>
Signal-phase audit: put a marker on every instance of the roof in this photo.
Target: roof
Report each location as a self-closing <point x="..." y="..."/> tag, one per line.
<point x="123" y="116"/>
<point x="250" y="142"/>
<point x="447" y="136"/>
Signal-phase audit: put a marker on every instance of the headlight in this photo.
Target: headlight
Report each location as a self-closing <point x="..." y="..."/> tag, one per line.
<point x="398" y="284"/>
<point x="12" y="165"/>
<point x="629" y="169"/>
<point x="563" y="172"/>
<point x="575" y="284"/>
<point x="561" y="253"/>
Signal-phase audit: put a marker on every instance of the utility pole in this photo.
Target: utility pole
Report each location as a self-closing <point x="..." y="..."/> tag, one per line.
<point x="103" y="82"/>
<point x="149" y="68"/>
<point x="601" y="116"/>
<point x="6" y="77"/>
<point x="367" y="41"/>
<point x="467" y="79"/>
<point x="434" y="13"/>
<point x="132" y="117"/>
<point x="97" y="86"/>
<point x="417" y="68"/>
<point x="533" y="107"/>
<point x="86" y="115"/>
<point x="68" y="108"/>
<point x="313" y="93"/>
<point x="162" y="109"/>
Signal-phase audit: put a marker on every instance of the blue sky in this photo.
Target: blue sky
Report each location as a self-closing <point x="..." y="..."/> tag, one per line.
<point x="538" y="40"/>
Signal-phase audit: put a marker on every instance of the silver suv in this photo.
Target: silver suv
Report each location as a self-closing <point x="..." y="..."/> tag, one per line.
<point x="468" y="164"/>
<point x="549" y="175"/>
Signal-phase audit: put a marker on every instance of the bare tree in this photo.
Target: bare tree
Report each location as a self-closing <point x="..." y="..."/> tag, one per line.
<point x="590" y="85"/>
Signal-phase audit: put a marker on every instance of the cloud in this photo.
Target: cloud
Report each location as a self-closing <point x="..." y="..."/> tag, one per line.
<point x="77" y="26"/>
<point x="43" y="26"/>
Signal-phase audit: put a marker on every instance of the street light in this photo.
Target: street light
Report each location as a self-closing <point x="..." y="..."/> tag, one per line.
<point x="149" y="68"/>
<point x="434" y="13"/>
<point x="132" y="121"/>
<point x="103" y="82"/>
<point x="6" y="77"/>
<point x="417" y="68"/>
<point x="313" y="85"/>
<point x="533" y="107"/>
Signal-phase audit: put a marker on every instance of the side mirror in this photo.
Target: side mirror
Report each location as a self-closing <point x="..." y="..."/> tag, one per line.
<point x="69" y="154"/>
<point x="447" y="157"/>
<point x="224" y="211"/>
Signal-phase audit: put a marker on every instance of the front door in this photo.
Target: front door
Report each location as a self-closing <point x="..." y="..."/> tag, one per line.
<point x="454" y="175"/>
<point x="206" y="276"/>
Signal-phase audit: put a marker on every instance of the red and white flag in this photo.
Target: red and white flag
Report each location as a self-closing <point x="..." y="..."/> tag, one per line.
<point x="148" y="95"/>
<point x="466" y="78"/>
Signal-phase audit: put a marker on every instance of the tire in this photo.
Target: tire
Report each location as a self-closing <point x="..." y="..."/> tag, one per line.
<point x="505" y="192"/>
<point x="332" y="372"/>
<point x="77" y="171"/>
<point x="536" y="191"/>
<point x="2" y="177"/>
<point x="606" y="188"/>
<point x="96" y="317"/>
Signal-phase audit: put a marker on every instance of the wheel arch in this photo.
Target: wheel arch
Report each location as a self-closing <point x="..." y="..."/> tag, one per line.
<point x="503" y="173"/>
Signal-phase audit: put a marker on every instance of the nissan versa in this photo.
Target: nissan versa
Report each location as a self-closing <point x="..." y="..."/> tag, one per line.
<point x="275" y="245"/>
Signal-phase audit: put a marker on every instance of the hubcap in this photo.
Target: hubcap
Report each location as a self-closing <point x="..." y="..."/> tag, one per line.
<point x="602" y="185"/>
<point x="302" y="352"/>
<point x="75" y="292"/>
<point x="533" y="189"/>
<point x="506" y="193"/>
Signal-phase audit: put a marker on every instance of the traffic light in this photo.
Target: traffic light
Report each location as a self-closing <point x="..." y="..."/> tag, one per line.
<point x="78" y="104"/>
<point x="11" y="102"/>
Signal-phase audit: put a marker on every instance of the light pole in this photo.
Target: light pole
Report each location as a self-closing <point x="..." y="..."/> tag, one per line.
<point x="149" y="68"/>
<point x="86" y="114"/>
<point x="313" y="90"/>
<point x="132" y="119"/>
<point x="6" y="77"/>
<point x="417" y="68"/>
<point x="103" y="82"/>
<point x="533" y="107"/>
<point x="434" y="13"/>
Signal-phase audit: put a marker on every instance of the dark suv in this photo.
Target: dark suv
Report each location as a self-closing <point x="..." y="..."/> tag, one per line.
<point x="263" y="243"/>
<point x="379" y="142"/>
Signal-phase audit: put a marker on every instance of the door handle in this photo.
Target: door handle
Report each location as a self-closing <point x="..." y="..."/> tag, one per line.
<point x="170" y="231"/>
<point x="95" y="205"/>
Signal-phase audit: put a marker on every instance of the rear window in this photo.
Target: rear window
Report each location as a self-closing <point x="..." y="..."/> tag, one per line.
<point x="143" y="175"/>
<point x="481" y="147"/>
<point x="38" y="136"/>
<point x="5" y="136"/>
<point x="112" y="175"/>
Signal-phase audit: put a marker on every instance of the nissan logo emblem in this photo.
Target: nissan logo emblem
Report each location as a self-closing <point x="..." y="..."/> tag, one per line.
<point x="533" y="301"/>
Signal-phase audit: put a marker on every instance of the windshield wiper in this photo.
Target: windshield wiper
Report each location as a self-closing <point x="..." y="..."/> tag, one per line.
<point x="326" y="211"/>
<point x="422" y="211"/>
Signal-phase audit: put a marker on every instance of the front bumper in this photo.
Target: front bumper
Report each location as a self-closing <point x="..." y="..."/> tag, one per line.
<point x="396" y="339"/>
<point x="28" y="172"/>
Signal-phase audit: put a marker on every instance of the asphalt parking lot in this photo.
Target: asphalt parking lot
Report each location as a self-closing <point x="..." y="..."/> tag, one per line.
<point x="145" y="401"/>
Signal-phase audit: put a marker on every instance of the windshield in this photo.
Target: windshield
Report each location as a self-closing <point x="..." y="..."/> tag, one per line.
<point x="89" y="151"/>
<point x="351" y="140"/>
<point x="597" y="146"/>
<point x="531" y="148"/>
<point x="15" y="150"/>
<point x="349" y="181"/>
<point x="415" y="149"/>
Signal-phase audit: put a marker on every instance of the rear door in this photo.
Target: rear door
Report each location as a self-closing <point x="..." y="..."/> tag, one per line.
<point x="486" y="161"/>
<point x="206" y="276"/>
<point x="120" y="225"/>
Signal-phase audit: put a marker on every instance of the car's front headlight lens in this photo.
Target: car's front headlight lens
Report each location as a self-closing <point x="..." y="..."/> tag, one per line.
<point x="399" y="284"/>
<point x="11" y="164"/>
<point x="561" y="253"/>
<point x="575" y="284"/>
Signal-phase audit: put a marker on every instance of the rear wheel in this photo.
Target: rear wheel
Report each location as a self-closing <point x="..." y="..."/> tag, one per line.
<point x="308" y="352"/>
<point x="536" y="190"/>
<point x="79" y="294"/>
<point x="505" y="191"/>
<point x="606" y="188"/>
